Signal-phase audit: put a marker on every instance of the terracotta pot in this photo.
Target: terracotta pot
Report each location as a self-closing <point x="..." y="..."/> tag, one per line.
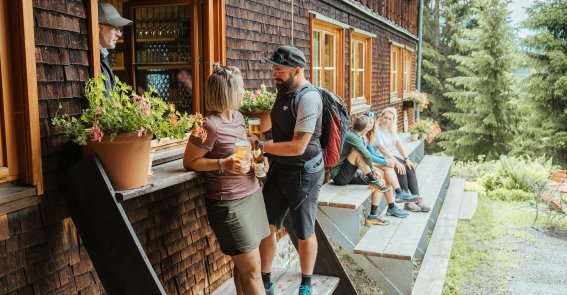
<point x="264" y="116"/>
<point x="125" y="159"/>
<point x="414" y="137"/>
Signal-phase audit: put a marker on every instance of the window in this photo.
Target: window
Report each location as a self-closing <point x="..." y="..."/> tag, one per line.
<point x="326" y="50"/>
<point x="360" y="71"/>
<point x="407" y="62"/>
<point x="395" y="77"/>
<point x="20" y="154"/>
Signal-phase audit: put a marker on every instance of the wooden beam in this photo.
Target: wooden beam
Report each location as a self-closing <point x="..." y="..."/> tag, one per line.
<point x="92" y="24"/>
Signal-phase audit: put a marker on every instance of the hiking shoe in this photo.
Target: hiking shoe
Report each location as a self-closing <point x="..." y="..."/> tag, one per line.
<point x="375" y="219"/>
<point x="412" y="206"/>
<point x="397" y="212"/>
<point x="378" y="186"/>
<point x="305" y="290"/>
<point x="271" y="290"/>
<point x="422" y="205"/>
<point x="405" y="197"/>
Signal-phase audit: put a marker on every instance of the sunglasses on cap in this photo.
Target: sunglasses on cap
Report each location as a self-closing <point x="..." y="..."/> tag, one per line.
<point x="370" y="114"/>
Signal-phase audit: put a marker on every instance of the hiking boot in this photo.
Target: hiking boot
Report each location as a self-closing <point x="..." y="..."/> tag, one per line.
<point x="271" y="290"/>
<point x="405" y="197"/>
<point x="422" y="205"/>
<point x="397" y="212"/>
<point x="375" y="219"/>
<point x="305" y="290"/>
<point x="412" y="206"/>
<point x="378" y="186"/>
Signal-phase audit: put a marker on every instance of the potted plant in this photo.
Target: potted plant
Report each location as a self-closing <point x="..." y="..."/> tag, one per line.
<point x="427" y="128"/>
<point x="258" y="104"/>
<point x="414" y="133"/>
<point x="118" y="126"/>
<point x="419" y="98"/>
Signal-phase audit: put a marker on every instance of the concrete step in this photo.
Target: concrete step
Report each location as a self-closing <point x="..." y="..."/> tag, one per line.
<point x="287" y="282"/>
<point x="468" y="205"/>
<point x="431" y="276"/>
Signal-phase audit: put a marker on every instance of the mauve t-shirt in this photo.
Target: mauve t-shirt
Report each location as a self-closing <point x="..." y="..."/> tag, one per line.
<point x="221" y="136"/>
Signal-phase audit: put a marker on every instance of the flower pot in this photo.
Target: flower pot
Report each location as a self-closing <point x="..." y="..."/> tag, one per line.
<point x="414" y="137"/>
<point x="423" y="136"/>
<point x="165" y="144"/>
<point x="125" y="159"/>
<point x="407" y="104"/>
<point x="264" y="116"/>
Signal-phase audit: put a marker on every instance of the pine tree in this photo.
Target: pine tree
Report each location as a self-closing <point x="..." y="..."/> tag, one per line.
<point x="483" y="88"/>
<point x="543" y="100"/>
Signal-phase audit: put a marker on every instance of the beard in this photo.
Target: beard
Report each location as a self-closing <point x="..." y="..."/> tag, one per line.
<point x="285" y="86"/>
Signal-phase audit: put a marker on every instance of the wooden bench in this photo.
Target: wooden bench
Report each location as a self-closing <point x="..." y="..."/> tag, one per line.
<point x="343" y="209"/>
<point x="387" y="253"/>
<point x="431" y="276"/>
<point x="287" y="282"/>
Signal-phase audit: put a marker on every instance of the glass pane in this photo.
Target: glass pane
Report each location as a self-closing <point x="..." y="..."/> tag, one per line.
<point x="360" y="86"/>
<point x="329" y="82"/>
<point x="329" y="50"/>
<point x="360" y="55"/>
<point x="317" y="77"/>
<point x="316" y="49"/>
<point x="353" y="83"/>
<point x="352" y="55"/>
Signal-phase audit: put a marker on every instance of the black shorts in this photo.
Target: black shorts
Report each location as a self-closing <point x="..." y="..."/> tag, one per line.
<point x="349" y="174"/>
<point x="296" y="191"/>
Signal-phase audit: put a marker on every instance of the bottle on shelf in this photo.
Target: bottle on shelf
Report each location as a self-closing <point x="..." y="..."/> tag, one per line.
<point x="259" y="159"/>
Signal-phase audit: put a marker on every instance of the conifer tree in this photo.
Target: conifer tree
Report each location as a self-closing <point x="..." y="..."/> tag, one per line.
<point x="483" y="88"/>
<point x="543" y="99"/>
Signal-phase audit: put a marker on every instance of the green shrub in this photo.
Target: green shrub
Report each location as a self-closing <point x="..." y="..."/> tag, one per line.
<point x="475" y="187"/>
<point x="516" y="173"/>
<point x="515" y="195"/>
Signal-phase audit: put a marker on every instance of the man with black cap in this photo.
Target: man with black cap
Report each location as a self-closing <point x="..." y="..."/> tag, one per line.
<point x="296" y="163"/>
<point x="110" y="25"/>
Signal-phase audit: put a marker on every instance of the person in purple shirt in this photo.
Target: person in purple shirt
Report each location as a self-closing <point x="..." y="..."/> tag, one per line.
<point x="234" y="201"/>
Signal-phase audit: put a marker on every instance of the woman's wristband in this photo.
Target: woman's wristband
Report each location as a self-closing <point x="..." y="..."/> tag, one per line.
<point x="221" y="171"/>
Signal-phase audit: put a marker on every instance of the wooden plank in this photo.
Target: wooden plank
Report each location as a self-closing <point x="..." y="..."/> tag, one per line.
<point x="4" y="229"/>
<point x="347" y="196"/>
<point x="431" y="276"/>
<point x="468" y="205"/>
<point x="377" y="238"/>
<point x="10" y="192"/>
<point x="19" y="204"/>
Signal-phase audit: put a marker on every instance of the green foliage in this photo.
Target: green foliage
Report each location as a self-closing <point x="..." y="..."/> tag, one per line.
<point x="543" y="99"/>
<point x="483" y="88"/>
<point x="508" y="195"/>
<point x="122" y="110"/>
<point x="258" y="100"/>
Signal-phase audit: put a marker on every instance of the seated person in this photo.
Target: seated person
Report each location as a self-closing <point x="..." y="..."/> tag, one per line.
<point x="387" y="141"/>
<point x="355" y="156"/>
<point x="385" y="164"/>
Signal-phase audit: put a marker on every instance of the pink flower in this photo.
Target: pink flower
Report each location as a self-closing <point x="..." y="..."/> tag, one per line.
<point x="257" y="92"/>
<point x="97" y="134"/>
<point x="97" y="111"/>
<point x="141" y="132"/>
<point x="145" y="107"/>
<point x="136" y="97"/>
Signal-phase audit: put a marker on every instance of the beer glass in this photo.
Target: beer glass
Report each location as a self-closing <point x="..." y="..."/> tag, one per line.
<point x="254" y="126"/>
<point x="242" y="151"/>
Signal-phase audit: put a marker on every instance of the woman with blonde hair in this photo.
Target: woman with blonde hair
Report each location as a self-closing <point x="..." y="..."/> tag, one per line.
<point x="234" y="201"/>
<point x="387" y="142"/>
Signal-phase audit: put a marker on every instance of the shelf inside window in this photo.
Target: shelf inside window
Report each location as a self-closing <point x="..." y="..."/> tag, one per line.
<point x="164" y="65"/>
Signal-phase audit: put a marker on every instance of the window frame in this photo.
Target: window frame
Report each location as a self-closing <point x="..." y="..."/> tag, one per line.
<point x="20" y="133"/>
<point x="395" y="75"/>
<point x="406" y="72"/>
<point x="324" y="27"/>
<point x="363" y="102"/>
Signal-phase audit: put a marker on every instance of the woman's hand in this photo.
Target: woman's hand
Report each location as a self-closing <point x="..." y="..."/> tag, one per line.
<point x="410" y="164"/>
<point x="235" y="165"/>
<point x="400" y="168"/>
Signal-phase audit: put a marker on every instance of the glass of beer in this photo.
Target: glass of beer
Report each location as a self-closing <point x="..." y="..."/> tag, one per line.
<point x="242" y="151"/>
<point x="254" y="127"/>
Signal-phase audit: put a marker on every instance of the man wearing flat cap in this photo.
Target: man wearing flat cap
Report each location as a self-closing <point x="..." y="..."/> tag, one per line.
<point x="296" y="163"/>
<point x="110" y="24"/>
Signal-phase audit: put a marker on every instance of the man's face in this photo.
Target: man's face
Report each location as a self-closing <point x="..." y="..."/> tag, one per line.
<point x="108" y="35"/>
<point x="285" y="78"/>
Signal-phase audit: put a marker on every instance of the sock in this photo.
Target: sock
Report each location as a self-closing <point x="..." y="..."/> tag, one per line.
<point x="306" y="280"/>
<point x="390" y="206"/>
<point x="373" y="209"/>
<point x="370" y="176"/>
<point x="398" y="191"/>
<point x="266" y="279"/>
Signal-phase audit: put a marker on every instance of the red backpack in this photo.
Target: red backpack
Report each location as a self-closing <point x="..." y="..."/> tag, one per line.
<point x="334" y="125"/>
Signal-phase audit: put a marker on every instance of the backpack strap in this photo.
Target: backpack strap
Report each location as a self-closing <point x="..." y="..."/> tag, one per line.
<point x="306" y="87"/>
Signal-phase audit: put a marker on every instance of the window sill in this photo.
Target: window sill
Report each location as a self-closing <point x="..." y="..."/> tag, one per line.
<point x="355" y="110"/>
<point x="14" y="197"/>
<point x="164" y="175"/>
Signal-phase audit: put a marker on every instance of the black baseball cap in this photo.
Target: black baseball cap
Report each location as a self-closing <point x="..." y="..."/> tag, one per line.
<point x="287" y="56"/>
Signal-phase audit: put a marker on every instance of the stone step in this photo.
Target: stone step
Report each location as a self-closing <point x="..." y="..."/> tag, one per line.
<point x="287" y="282"/>
<point x="468" y="205"/>
<point x="431" y="276"/>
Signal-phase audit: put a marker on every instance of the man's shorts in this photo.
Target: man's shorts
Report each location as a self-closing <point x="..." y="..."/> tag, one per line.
<point x="295" y="191"/>
<point x="349" y="174"/>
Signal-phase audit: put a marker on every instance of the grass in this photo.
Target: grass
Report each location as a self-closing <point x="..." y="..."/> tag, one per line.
<point x="482" y="248"/>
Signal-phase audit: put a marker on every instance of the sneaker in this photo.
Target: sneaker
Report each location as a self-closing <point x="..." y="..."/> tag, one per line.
<point x="412" y="206"/>
<point x="375" y="219"/>
<point x="378" y="186"/>
<point x="422" y="205"/>
<point x="271" y="290"/>
<point x="305" y="290"/>
<point x="405" y="197"/>
<point x="397" y="212"/>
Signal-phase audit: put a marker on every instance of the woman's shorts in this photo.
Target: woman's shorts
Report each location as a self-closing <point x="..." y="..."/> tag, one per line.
<point x="240" y="224"/>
